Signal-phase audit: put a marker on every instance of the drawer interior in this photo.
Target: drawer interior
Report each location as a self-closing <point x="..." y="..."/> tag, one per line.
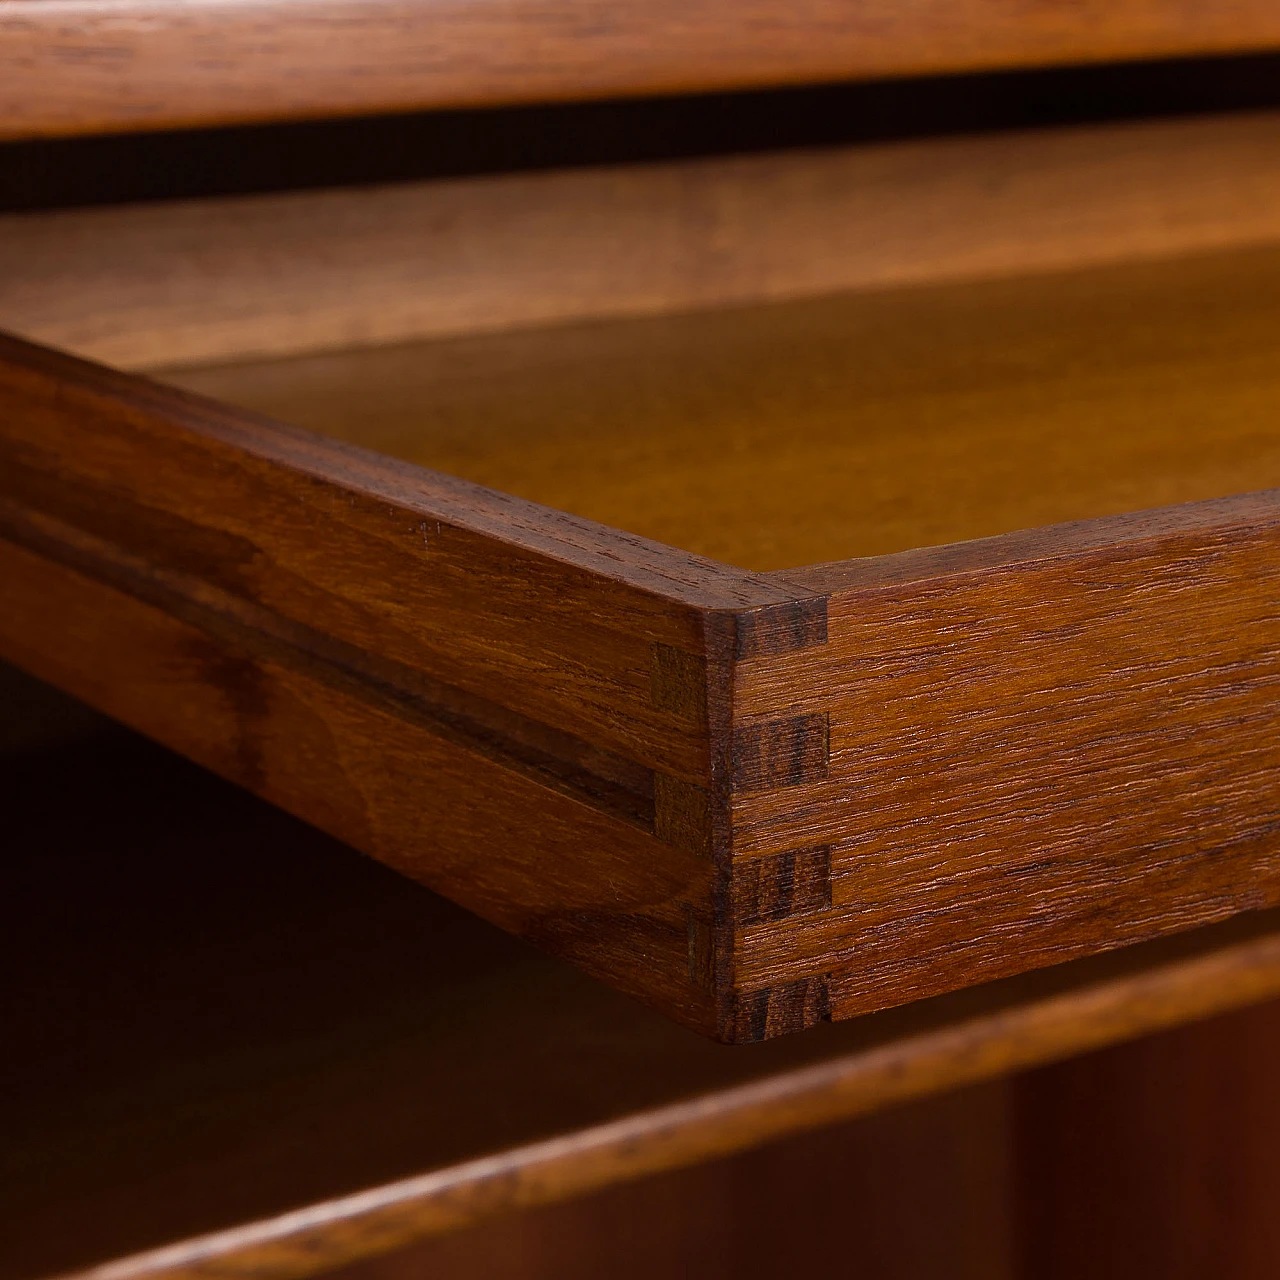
<point x="788" y="433"/>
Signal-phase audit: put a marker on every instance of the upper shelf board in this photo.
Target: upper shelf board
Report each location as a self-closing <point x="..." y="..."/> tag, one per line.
<point x="98" y="66"/>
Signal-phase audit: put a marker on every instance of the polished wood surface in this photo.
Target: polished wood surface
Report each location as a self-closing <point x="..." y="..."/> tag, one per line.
<point x="166" y="283"/>
<point x="417" y="680"/>
<point x="700" y="757"/>
<point x="1019" y="730"/>
<point x="849" y="426"/>
<point x="1158" y="1158"/>
<point x="85" y="66"/>
<point x="227" y="1016"/>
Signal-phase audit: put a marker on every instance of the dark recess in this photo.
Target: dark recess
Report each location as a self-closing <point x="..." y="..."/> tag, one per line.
<point x="138" y="167"/>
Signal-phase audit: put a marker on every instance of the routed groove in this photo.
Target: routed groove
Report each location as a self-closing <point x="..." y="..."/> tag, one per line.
<point x="559" y="760"/>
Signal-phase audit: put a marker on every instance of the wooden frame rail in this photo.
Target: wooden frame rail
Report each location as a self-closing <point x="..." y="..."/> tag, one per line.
<point x="155" y="285"/>
<point x="939" y="1044"/>
<point x="89" y="66"/>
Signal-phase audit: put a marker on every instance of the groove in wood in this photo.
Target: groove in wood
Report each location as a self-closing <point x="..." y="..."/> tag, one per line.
<point x="559" y="760"/>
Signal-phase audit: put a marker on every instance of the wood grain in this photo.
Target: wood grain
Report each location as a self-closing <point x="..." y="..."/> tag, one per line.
<point x="848" y="426"/>
<point x="197" y="281"/>
<point x="1005" y="753"/>
<point x="352" y="640"/>
<point x="82" y="66"/>
<point x="1024" y="733"/>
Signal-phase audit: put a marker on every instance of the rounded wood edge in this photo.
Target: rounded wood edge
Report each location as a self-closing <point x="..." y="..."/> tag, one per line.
<point x="955" y="1052"/>
<point x="83" y="66"/>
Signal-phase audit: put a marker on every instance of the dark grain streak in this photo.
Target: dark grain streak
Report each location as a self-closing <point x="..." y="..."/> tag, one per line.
<point x="780" y="753"/>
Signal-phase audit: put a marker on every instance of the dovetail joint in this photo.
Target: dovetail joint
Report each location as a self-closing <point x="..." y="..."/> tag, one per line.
<point x="781" y="1010"/>
<point x="781" y="753"/>
<point x="781" y="885"/>
<point x="781" y="628"/>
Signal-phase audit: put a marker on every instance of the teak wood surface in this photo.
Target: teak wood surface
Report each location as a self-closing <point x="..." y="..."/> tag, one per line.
<point x="754" y="800"/>
<point x="231" y="1024"/>
<point x="154" y="285"/>
<point x="91" y="66"/>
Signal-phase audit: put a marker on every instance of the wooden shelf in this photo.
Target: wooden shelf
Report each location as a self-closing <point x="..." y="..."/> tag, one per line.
<point x="795" y="632"/>
<point x="203" y="63"/>
<point x="222" y="1017"/>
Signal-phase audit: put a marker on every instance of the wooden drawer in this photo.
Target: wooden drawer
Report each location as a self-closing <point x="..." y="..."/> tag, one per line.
<point x="713" y="654"/>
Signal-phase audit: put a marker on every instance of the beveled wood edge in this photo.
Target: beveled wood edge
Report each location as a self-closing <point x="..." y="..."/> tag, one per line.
<point x="207" y="63"/>
<point x="959" y="1039"/>
<point x="1068" y="540"/>
<point x="678" y="576"/>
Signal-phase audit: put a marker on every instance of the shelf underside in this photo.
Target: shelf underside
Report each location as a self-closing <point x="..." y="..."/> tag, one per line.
<point x="780" y="435"/>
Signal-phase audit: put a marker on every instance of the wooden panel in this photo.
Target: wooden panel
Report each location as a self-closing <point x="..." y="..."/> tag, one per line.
<point x="208" y="493"/>
<point x="225" y="1016"/>
<point x="1038" y="748"/>
<point x="419" y="666"/>
<point x="551" y="865"/>
<point x="276" y="275"/>
<point x="1161" y="1158"/>
<point x="82" y="66"/>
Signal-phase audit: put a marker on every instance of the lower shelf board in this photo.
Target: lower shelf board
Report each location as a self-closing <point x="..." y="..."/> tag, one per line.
<point x="237" y="1034"/>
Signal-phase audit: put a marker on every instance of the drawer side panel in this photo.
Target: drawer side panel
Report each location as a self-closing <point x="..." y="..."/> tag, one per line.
<point x="1030" y="761"/>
